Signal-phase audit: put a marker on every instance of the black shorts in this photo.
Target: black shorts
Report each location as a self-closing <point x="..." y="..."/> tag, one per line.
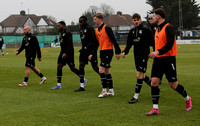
<point x="165" y="65"/>
<point x="141" y="64"/>
<point x="30" y="62"/>
<point x="69" y="60"/>
<point x="106" y="58"/>
<point x="83" y="57"/>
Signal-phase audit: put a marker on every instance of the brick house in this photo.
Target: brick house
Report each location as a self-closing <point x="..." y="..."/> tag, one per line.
<point x="120" y="24"/>
<point x="15" y="23"/>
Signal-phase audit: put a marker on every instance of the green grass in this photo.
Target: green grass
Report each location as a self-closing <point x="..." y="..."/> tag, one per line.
<point x="38" y="105"/>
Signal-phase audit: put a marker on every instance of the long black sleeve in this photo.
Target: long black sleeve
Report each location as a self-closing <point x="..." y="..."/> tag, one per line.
<point x="37" y="47"/>
<point x="69" y="44"/>
<point x="66" y="43"/>
<point x="88" y="38"/>
<point x="31" y="46"/>
<point x="141" y="38"/>
<point x="150" y="38"/>
<point x="170" y="33"/>
<point x="21" y="48"/>
<point x="129" y="42"/>
<point x="113" y="40"/>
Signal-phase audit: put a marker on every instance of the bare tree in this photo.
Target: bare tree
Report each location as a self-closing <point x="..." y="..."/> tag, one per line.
<point x="93" y="10"/>
<point x="106" y="9"/>
<point x="52" y="18"/>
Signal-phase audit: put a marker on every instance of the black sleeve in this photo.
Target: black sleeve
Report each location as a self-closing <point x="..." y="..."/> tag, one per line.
<point x="150" y="38"/>
<point x="94" y="46"/>
<point x="170" y="33"/>
<point x="113" y="40"/>
<point x="91" y="39"/>
<point x="129" y="42"/>
<point x="68" y="44"/>
<point x="37" y="47"/>
<point x="22" y="47"/>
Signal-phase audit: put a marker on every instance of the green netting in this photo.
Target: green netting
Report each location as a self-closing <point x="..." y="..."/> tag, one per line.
<point x="76" y="38"/>
<point x="41" y="39"/>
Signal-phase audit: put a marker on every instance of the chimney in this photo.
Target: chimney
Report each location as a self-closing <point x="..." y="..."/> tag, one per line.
<point x="119" y="13"/>
<point x="72" y="23"/>
<point x="23" y="13"/>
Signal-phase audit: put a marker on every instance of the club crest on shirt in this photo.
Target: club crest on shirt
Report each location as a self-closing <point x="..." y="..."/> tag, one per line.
<point x="85" y="30"/>
<point x="29" y="38"/>
<point x="61" y="40"/>
<point x="27" y="43"/>
<point x="136" y="39"/>
<point x="83" y="37"/>
<point x="140" y="31"/>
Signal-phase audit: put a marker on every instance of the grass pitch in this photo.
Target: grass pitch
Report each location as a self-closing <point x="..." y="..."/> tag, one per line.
<point x="39" y="105"/>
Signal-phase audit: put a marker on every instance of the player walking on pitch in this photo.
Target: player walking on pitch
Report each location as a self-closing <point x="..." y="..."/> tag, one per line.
<point x="88" y="40"/>
<point x="1" y="44"/>
<point x="66" y="54"/>
<point x="106" y="40"/>
<point x="31" y="46"/>
<point x="141" y="37"/>
<point x="165" y="61"/>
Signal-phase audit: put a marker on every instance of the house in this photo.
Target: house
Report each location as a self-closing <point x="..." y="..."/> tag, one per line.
<point x="15" y="23"/>
<point x="120" y="24"/>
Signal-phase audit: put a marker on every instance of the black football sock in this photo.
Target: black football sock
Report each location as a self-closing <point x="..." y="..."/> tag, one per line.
<point x="155" y="94"/>
<point x="81" y="75"/>
<point x="103" y="80"/>
<point x="180" y="89"/>
<point x="25" y="79"/>
<point x="95" y="68"/>
<point x="138" y="85"/>
<point x="59" y="76"/>
<point x="109" y="81"/>
<point x="147" y="80"/>
<point x="40" y="75"/>
<point x="75" y="70"/>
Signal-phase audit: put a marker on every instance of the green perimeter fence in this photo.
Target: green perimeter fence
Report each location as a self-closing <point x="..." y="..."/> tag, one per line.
<point x="44" y="40"/>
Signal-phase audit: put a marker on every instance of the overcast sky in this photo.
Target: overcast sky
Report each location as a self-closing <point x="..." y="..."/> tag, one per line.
<point x="70" y="10"/>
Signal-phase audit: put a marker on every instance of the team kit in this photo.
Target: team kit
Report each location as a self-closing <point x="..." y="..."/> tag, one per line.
<point x="162" y="39"/>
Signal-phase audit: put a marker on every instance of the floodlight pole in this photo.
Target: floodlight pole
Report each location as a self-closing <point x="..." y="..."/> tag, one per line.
<point x="180" y="19"/>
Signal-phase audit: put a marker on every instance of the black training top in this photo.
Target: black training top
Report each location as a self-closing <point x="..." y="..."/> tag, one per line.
<point x="141" y="38"/>
<point x="1" y="42"/>
<point x="88" y="39"/>
<point x="66" y="43"/>
<point x="31" y="46"/>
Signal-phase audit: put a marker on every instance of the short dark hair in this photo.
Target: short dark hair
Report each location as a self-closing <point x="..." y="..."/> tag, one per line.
<point x="136" y="15"/>
<point x="99" y="16"/>
<point x="83" y="17"/>
<point x="160" y="11"/>
<point x="62" y="23"/>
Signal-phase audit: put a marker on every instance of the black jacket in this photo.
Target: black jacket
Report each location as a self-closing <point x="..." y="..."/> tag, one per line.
<point x="31" y="46"/>
<point x="141" y="38"/>
<point x="66" y="43"/>
<point x="87" y="35"/>
<point x="1" y="42"/>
